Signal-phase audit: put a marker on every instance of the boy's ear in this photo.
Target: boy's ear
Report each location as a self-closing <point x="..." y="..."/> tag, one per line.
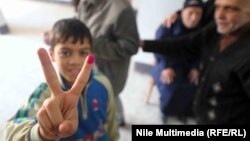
<point x="51" y="53"/>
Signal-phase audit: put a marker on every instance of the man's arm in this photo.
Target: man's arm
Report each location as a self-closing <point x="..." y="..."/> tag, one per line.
<point x="179" y="47"/>
<point x="161" y="33"/>
<point x="188" y="46"/>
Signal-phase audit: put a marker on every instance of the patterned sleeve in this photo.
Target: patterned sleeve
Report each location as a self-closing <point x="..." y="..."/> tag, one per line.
<point x="19" y="126"/>
<point x="112" y="126"/>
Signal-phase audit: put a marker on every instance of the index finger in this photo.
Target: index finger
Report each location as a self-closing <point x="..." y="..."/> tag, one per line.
<point x="83" y="77"/>
<point x="49" y="72"/>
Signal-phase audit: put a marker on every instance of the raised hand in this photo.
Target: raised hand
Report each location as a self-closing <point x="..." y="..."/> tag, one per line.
<point x="58" y="116"/>
<point x="168" y="21"/>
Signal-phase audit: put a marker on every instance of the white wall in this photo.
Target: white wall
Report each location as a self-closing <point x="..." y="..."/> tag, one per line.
<point x="150" y="14"/>
<point x="2" y="20"/>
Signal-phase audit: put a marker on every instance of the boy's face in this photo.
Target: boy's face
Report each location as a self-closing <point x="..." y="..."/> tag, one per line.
<point x="70" y="57"/>
<point x="191" y="16"/>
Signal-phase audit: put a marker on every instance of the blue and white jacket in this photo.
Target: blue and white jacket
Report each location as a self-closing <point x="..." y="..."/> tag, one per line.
<point x="96" y="113"/>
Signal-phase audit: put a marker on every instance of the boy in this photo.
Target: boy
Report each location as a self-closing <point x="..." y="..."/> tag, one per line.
<point x="65" y="110"/>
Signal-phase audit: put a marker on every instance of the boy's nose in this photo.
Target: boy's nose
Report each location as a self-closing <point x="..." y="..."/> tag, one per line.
<point x="75" y="59"/>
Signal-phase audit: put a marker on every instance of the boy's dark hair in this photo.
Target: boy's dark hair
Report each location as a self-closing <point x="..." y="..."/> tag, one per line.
<point x="66" y="28"/>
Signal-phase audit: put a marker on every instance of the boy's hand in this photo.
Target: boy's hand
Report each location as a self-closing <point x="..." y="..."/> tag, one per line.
<point x="58" y="116"/>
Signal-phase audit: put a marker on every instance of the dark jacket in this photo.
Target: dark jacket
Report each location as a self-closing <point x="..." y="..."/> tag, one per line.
<point x="208" y="14"/>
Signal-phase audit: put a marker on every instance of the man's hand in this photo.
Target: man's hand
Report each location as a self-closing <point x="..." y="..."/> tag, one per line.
<point x="194" y="75"/>
<point x="58" y="116"/>
<point x="141" y="44"/>
<point x="170" y="20"/>
<point x="167" y="76"/>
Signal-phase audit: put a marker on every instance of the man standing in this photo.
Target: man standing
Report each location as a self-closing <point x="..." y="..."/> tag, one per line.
<point x="115" y="39"/>
<point x="223" y="96"/>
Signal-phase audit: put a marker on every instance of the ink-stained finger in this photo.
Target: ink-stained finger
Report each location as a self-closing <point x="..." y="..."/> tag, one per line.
<point x="83" y="77"/>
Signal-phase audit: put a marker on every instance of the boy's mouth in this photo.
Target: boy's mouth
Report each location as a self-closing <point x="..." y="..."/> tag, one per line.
<point x="75" y="71"/>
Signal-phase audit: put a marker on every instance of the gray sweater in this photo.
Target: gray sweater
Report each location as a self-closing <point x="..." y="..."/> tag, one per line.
<point x="115" y="36"/>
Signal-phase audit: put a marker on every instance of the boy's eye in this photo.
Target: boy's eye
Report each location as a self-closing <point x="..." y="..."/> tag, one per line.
<point x="84" y="53"/>
<point x="64" y="53"/>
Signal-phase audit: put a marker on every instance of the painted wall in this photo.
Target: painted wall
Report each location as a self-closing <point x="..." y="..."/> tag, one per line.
<point x="3" y="26"/>
<point x="150" y="14"/>
<point x="2" y="20"/>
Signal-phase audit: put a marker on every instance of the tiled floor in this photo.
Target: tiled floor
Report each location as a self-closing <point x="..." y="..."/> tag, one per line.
<point x="20" y="70"/>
